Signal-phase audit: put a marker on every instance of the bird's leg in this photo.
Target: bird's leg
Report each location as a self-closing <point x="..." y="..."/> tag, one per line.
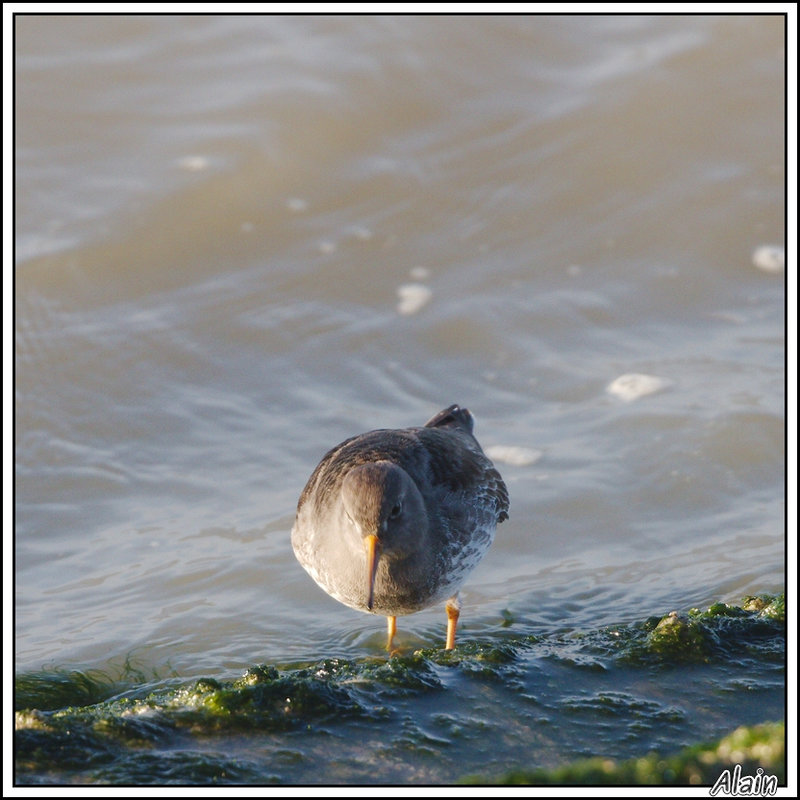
<point x="453" y="608"/>
<point x="391" y="629"/>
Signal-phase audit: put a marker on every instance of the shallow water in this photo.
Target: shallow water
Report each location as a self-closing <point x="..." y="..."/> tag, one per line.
<point x="479" y="712"/>
<point x="240" y="240"/>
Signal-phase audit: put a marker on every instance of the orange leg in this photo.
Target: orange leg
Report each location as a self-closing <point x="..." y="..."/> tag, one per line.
<point x="453" y="608"/>
<point x="391" y="629"/>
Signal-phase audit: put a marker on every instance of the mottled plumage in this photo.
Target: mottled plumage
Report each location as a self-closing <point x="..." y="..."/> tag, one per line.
<point x="392" y="521"/>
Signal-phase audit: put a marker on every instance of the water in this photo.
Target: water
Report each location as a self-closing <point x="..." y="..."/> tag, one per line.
<point x="240" y="240"/>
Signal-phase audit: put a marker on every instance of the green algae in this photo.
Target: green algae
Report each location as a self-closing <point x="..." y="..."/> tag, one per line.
<point x="92" y="728"/>
<point x="757" y="628"/>
<point x="264" y="699"/>
<point x="677" y="638"/>
<point x="752" y="748"/>
<point x="767" y="606"/>
<point x="57" y="689"/>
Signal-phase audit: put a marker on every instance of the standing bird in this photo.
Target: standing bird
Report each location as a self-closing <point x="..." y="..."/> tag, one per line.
<point x="393" y="521"/>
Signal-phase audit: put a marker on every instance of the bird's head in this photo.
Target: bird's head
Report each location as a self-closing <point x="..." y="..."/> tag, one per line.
<point x="387" y="511"/>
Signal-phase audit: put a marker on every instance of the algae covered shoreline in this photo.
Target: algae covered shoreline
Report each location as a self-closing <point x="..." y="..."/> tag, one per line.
<point x="628" y="704"/>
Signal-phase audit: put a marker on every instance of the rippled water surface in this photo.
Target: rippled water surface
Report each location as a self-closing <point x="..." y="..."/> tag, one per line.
<point x="240" y="240"/>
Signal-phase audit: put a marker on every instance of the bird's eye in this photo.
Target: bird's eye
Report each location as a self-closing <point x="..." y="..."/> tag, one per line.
<point x="395" y="511"/>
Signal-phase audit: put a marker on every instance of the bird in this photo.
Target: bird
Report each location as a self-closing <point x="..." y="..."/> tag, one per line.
<point x="394" y="520"/>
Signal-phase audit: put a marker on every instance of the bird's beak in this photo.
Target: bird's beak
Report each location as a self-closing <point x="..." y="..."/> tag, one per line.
<point x="372" y="546"/>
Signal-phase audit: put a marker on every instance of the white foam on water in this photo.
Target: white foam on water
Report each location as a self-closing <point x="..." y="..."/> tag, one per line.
<point x="634" y="385"/>
<point x="412" y="297"/>
<point x="769" y="258"/>
<point x="514" y="455"/>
